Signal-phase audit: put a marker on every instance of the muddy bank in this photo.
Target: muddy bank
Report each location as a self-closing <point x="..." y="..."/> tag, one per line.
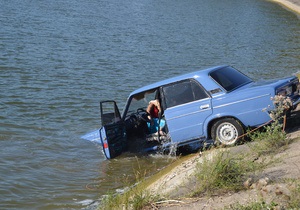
<point x="293" y="5"/>
<point x="177" y="184"/>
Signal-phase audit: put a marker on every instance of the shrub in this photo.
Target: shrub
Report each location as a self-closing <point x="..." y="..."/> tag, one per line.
<point x="273" y="138"/>
<point x="223" y="172"/>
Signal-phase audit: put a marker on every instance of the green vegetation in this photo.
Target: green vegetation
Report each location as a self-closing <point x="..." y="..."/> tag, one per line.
<point x="273" y="139"/>
<point x="136" y="198"/>
<point x="294" y="202"/>
<point x="222" y="173"/>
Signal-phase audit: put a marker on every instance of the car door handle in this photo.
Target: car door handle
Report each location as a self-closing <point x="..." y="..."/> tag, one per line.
<point x="205" y="106"/>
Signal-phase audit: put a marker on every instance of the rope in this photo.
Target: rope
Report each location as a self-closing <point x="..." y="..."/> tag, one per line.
<point x="254" y="129"/>
<point x="283" y="127"/>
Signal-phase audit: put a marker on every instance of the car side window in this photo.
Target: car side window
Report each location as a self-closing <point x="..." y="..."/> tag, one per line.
<point x="183" y="92"/>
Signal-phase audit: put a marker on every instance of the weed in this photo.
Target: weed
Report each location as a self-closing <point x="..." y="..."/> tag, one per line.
<point x="112" y="202"/>
<point x="223" y="172"/>
<point x="273" y="139"/>
<point x="294" y="201"/>
<point x="134" y="197"/>
<point x="252" y="206"/>
<point x="142" y="198"/>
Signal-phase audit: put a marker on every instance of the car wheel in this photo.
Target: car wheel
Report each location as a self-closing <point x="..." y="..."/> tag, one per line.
<point x="227" y="131"/>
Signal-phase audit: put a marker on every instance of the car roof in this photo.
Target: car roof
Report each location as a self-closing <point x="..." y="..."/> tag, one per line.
<point x="196" y="74"/>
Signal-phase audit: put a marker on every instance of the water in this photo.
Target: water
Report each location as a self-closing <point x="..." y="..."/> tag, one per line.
<point x="59" y="58"/>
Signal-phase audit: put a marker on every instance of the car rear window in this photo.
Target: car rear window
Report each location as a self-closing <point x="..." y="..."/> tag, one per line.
<point x="230" y="78"/>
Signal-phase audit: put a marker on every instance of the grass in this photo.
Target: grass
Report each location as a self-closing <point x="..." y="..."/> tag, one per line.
<point x="226" y="171"/>
<point x="222" y="173"/>
<point x="294" y="202"/>
<point x="136" y="198"/>
<point x="270" y="141"/>
<point x="273" y="139"/>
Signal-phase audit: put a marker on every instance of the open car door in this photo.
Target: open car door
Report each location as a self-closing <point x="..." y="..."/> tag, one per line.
<point x="113" y="132"/>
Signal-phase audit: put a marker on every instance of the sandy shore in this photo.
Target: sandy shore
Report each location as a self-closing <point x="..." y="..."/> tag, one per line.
<point x="293" y="5"/>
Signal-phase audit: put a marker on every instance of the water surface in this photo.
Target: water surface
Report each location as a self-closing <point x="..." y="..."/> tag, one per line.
<point x="59" y="58"/>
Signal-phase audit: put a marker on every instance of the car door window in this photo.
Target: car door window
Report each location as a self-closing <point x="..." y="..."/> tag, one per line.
<point x="183" y="92"/>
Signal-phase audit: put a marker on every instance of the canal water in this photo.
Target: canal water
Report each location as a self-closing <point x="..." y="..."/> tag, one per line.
<point x="59" y="58"/>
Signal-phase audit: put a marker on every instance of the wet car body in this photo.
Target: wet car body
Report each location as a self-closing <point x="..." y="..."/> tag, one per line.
<point x="216" y="104"/>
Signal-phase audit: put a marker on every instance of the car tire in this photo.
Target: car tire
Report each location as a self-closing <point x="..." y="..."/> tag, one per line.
<point x="227" y="131"/>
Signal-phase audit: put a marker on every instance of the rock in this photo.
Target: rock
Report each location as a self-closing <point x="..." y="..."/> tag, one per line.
<point x="262" y="183"/>
<point x="248" y="183"/>
<point x="283" y="191"/>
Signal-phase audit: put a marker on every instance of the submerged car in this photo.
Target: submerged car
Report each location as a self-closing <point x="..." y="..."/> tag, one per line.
<point x="216" y="104"/>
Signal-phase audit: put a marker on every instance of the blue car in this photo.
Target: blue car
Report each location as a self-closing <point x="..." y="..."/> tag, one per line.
<point x="212" y="104"/>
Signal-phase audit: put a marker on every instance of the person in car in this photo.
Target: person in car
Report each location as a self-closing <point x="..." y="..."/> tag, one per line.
<point x="155" y="123"/>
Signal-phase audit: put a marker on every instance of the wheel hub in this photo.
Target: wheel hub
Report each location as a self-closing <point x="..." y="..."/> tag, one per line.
<point x="227" y="133"/>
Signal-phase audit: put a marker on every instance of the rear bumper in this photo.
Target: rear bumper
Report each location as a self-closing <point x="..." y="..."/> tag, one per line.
<point x="296" y="103"/>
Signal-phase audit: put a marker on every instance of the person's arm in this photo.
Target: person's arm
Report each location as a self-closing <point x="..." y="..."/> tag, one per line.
<point x="149" y="108"/>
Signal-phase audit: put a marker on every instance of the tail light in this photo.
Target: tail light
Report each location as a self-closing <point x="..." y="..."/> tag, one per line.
<point x="291" y="90"/>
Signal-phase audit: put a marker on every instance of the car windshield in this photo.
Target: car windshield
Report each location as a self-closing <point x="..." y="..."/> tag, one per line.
<point x="230" y="78"/>
<point x="140" y="101"/>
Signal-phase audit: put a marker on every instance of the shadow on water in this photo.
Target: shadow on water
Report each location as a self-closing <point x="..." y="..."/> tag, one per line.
<point x="127" y="168"/>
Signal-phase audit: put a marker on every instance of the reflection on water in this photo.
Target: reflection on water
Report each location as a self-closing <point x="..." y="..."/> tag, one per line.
<point x="58" y="59"/>
<point x="132" y="169"/>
